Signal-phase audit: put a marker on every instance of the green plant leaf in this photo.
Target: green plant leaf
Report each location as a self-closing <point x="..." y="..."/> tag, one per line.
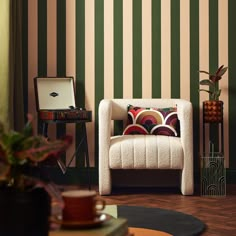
<point x="219" y="69"/>
<point x="222" y="71"/>
<point x="203" y="71"/>
<point x="20" y="151"/>
<point x="215" y="78"/>
<point x="217" y="93"/>
<point x="208" y="91"/>
<point x="206" y="82"/>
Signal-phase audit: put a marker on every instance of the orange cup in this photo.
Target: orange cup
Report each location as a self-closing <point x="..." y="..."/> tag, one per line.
<point x="81" y="205"/>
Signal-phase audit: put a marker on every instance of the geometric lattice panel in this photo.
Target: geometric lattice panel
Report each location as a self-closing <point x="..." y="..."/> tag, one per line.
<point x="213" y="175"/>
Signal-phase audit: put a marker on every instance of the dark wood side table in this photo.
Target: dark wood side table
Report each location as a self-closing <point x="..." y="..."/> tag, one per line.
<point x="83" y="142"/>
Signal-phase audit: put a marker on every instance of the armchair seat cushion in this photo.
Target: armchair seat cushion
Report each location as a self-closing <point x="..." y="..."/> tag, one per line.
<point x="145" y="152"/>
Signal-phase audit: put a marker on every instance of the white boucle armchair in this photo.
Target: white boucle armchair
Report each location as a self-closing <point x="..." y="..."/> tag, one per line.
<point x="144" y="151"/>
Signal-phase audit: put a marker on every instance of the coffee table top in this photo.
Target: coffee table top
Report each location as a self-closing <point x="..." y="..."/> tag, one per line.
<point x="132" y="232"/>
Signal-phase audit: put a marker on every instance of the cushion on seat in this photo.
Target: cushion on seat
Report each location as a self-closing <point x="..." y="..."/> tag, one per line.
<point x="152" y="120"/>
<point x="145" y="152"/>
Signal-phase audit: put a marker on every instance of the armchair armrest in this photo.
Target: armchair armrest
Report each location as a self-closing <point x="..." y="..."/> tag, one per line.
<point x="104" y="133"/>
<point x="186" y="134"/>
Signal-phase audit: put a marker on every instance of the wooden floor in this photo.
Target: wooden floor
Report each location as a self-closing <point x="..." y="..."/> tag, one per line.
<point x="219" y="213"/>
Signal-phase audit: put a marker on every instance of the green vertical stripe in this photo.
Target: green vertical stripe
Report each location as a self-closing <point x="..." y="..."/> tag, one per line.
<point x="156" y="48"/>
<point x="25" y="53"/>
<point x="42" y="41"/>
<point x="137" y="49"/>
<point x="99" y="63"/>
<point x="61" y="37"/>
<point x="175" y="49"/>
<point x="61" y="50"/>
<point x="213" y="58"/>
<point x="213" y="35"/>
<point x="80" y="53"/>
<point x="80" y="67"/>
<point x="118" y="48"/>
<point x="118" y="57"/>
<point x="232" y="81"/>
<point x="42" y="38"/>
<point x="194" y="77"/>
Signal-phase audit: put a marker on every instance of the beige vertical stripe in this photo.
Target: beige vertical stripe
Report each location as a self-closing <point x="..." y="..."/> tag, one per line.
<point x="146" y="49"/>
<point x="223" y="60"/>
<point x="90" y="74"/>
<point x="70" y="66"/>
<point x="165" y="49"/>
<point x="184" y="50"/>
<point x="203" y="56"/>
<point x="127" y="49"/>
<point x="108" y="50"/>
<point x="32" y="55"/>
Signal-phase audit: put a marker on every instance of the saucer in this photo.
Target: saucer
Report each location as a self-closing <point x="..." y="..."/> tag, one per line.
<point x="97" y="221"/>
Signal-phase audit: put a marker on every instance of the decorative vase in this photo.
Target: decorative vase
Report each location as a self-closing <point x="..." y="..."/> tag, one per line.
<point x="213" y="111"/>
<point x="24" y="213"/>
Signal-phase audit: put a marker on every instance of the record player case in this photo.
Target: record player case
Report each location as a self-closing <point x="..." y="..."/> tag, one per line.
<point x="55" y="99"/>
<point x="55" y="103"/>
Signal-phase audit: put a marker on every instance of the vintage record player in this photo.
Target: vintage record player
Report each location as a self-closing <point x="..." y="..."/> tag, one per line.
<point x="55" y="100"/>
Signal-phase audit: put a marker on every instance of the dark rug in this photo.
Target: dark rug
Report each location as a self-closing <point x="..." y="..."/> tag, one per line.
<point x="172" y="222"/>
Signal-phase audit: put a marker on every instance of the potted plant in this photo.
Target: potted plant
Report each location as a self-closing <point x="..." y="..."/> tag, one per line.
<point x="24" y="199"/>
<point x="213" y="108"/>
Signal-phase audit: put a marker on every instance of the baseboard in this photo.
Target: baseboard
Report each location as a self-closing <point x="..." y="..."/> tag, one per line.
<point x="231" y="176"/>
<point x="72" y="176"/>
<point x="80" y="175"/>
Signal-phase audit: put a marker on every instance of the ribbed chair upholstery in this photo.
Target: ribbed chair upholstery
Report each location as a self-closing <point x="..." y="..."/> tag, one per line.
<point x="144" y="151"/>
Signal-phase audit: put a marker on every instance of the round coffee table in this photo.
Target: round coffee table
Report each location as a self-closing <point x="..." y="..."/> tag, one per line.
<point x="149" y="232"/>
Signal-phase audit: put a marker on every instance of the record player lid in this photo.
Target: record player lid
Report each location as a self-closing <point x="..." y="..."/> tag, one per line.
<point x="54" y="93"/>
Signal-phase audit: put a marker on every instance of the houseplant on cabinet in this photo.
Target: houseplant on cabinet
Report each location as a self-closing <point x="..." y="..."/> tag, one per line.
<point x="24" y="199"/>
<point x="213" y="108"/>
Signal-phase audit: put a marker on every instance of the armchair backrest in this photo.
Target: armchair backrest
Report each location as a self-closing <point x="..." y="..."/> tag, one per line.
<point x="116" y="109"/>
<point x="119" y="106"/>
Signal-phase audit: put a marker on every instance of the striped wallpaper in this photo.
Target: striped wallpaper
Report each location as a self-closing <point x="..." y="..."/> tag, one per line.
<point x="133" y="48"/>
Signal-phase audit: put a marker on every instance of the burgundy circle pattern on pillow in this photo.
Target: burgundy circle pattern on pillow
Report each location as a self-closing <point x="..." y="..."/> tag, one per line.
<point x="156" y="121"/>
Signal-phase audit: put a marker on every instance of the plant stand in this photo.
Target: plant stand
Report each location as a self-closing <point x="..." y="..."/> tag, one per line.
<point x="213" y="175"/>
<point x="212" y="163"/>
<point x="213" y="119"/>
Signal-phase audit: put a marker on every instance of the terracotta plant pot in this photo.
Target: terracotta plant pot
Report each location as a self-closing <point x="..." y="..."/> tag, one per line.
<point x="213" y="111"/>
